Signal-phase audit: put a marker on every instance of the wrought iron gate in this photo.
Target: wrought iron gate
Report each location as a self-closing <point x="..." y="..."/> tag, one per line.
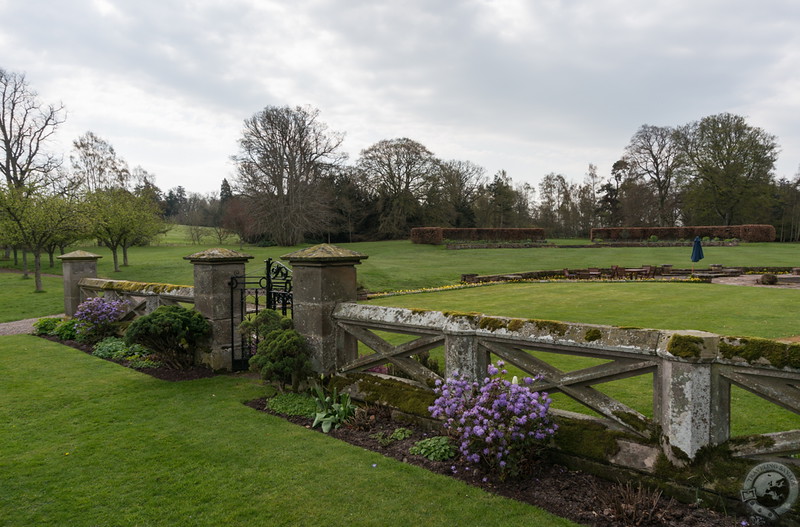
<point x="251" y="294"/>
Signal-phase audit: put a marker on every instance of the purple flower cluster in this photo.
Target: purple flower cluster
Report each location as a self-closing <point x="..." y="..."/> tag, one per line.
<point x="497" y="422"/>
<point x="96" y="317"/>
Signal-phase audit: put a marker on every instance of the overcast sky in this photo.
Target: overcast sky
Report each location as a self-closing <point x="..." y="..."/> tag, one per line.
<point x="531" y="87"/>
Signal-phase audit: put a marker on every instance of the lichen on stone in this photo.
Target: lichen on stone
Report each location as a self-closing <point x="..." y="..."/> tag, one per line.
<point x="592" y="335"/>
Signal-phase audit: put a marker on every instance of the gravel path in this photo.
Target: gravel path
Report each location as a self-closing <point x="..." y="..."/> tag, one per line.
<point x="753" y="280"/>
<point x="19" y="327"/>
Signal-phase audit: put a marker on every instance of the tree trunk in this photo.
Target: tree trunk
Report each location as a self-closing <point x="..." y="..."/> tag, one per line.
<point x="37" y="270"/>
<point x="125" y="256"/>
<point x="25" y="273"/>
<point x="114" y="251"/>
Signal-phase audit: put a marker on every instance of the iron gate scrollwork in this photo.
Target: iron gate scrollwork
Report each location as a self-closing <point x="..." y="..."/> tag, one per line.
<point x="251" y="294"/>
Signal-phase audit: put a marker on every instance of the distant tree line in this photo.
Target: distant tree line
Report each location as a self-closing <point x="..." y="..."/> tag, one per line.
<point x="293" y="183"/>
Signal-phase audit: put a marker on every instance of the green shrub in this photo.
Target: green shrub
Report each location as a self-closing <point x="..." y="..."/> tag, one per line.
<point x="265" y="322"/>
<point x="45" y="326"/>
<point x="653" y="238"/>
<point x="438" y="448"/>
<point x="66" y="330"/>
<point x="115" y="348"/>
<point x="293" y="404"/>
<point x="283" y="354"/>
<point x="172" y="333"/>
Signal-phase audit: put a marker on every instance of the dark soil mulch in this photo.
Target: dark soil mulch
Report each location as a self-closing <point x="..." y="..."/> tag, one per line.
<point x="580" y="497"/>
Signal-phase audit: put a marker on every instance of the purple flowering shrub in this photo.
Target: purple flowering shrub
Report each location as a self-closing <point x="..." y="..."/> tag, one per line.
<point x="497" y="423"/>
<point x="97" y="318"/>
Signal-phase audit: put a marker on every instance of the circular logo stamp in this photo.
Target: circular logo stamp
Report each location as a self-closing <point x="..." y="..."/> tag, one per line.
<point x="770" y="490"/>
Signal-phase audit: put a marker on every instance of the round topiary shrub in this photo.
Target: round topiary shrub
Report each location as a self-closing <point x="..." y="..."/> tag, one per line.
<point x="769" y="279"/>
<point x="173" y="333"/>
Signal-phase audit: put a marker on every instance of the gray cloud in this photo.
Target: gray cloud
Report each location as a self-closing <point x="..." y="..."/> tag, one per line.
<point x="529" y="86"/>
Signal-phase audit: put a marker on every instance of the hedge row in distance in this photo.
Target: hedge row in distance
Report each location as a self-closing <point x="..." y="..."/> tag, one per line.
<point x="437" y="235"/>
<point x="745" y="233"/>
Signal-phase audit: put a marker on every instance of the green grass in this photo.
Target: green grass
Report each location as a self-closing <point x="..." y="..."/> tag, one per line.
<point x="86" y="442"/>
<point x="400" y="265"/>
<point x="20" y="301"/>
<point x="726" y="310"/>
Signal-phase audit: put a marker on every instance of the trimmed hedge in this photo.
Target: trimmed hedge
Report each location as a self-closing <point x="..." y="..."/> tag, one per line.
<point x="427" y="235"/>
<point x="437" y="235"/>
<point x="746" y="233"/>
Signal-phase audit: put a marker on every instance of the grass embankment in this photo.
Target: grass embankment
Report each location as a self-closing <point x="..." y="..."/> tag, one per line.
<point x="86" y="442"/>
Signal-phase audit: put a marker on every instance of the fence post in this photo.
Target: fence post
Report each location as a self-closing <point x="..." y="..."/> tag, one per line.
<point x="691" y="401"/>
<point x="463" y="355"/>
<point x="76" y="265"/>
<point x="213" y="269"/>
<point x="323" y="276"/>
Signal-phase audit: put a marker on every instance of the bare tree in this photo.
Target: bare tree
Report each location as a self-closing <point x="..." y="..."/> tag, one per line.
<point x="449" y="202"/>
<point x="26" y="125"/>
<point x="96" y="165"/>
<point x="653" y="155"/>
<point x="284" y="154"/>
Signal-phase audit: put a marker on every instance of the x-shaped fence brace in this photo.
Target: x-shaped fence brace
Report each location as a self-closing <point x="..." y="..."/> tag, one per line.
<point x="578" y="384"/>
<point x="396" y="355"/>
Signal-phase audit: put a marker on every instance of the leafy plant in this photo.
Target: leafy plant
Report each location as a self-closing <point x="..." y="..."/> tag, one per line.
<point x="173" y="333"/>
<point x="140" y="363"/>
<point x="66" y="330"/>
<point x="115" y="348"/>
<point x="498" y="422"/>
<point x="332" y="410"/>
<point x="398" y="434"/>
<point x="45" y="326"/>
<point x="437" y="448"/>
<point x="97" y="318"/>
<point x="292" y="404"/>
<point x="283" y="354"/>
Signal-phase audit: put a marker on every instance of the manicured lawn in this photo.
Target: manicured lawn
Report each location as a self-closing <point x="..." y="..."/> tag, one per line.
<point x="723" y="309"/>
<point x="87" y="443"/>
<point x="399" y="265"/>
<point x="20" y="301"/>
